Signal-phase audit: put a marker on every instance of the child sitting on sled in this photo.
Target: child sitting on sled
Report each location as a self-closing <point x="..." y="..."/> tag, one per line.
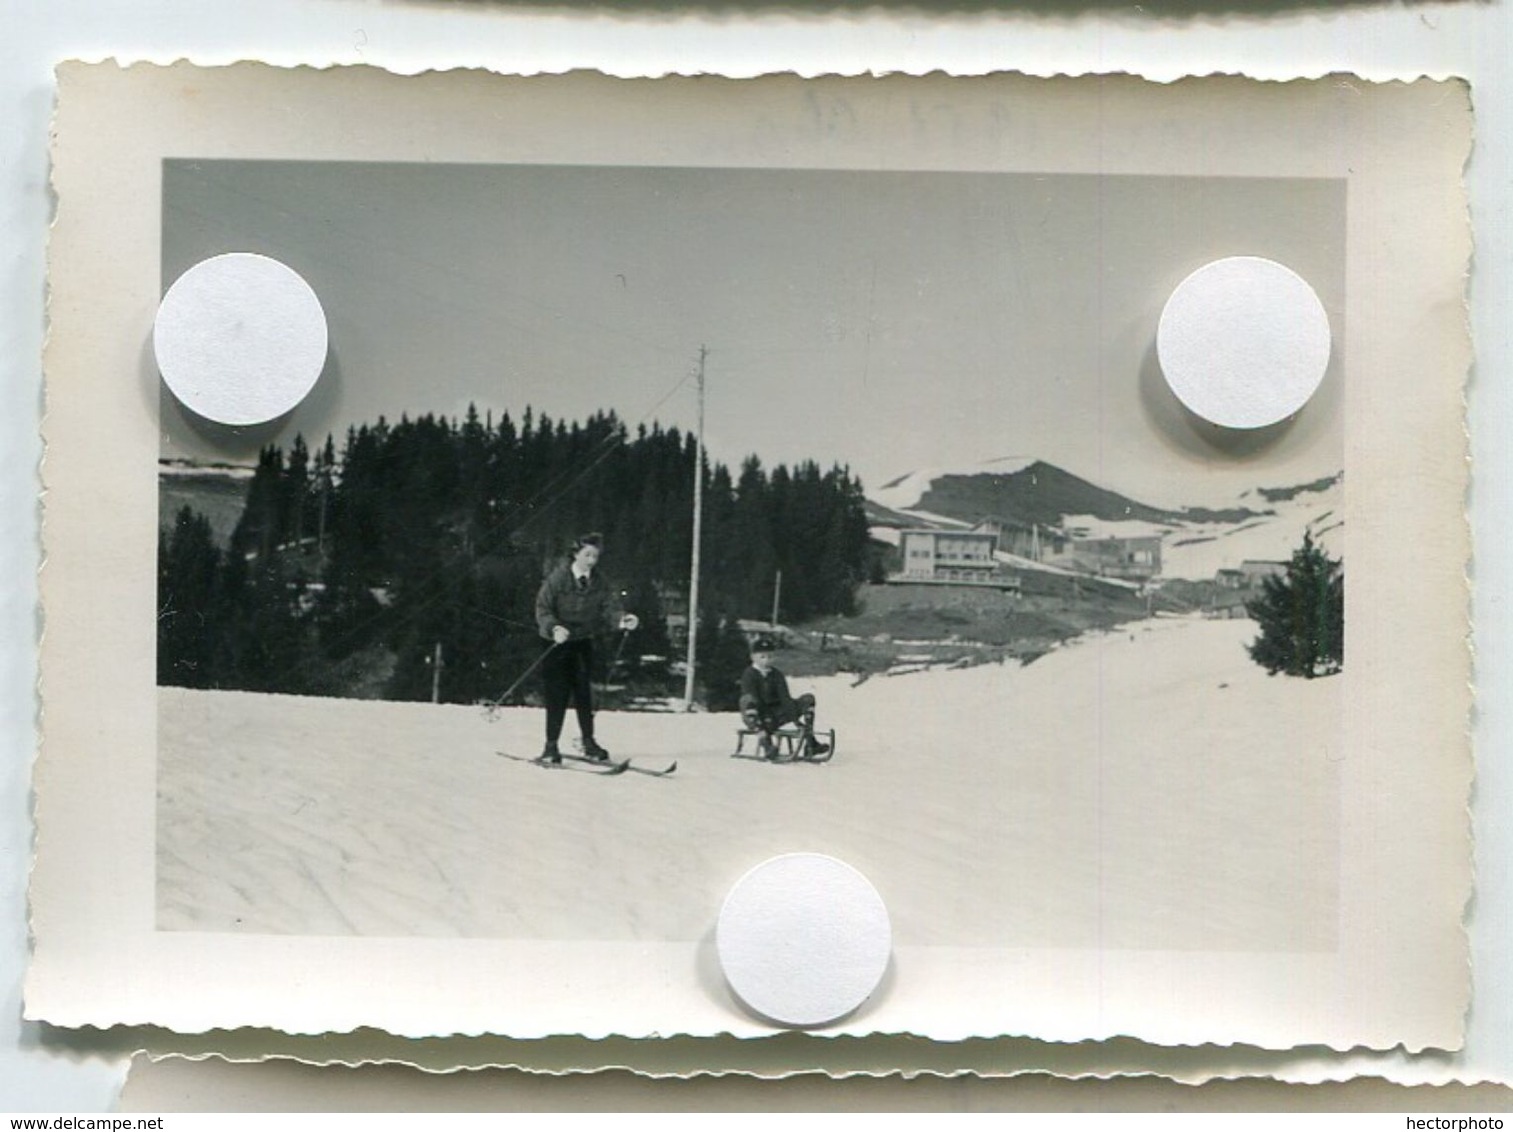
<point x="766" y="704"/>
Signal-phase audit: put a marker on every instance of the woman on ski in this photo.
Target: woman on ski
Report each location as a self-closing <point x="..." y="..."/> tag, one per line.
<point x="573" y="604"/>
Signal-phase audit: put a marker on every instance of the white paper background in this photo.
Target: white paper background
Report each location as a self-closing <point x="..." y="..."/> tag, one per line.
<point x="1379" y="42"/>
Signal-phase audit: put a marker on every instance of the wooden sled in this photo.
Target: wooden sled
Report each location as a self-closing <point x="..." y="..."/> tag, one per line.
<point x="788" y="742"/>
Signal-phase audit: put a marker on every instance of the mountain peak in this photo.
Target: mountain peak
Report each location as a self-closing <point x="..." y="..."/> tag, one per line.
<point x="909" y="489"/>
<point x="1014" y="489"/>
<point x="1029" y="490"/>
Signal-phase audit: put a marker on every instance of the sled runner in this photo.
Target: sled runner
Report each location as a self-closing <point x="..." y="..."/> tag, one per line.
<point x="788" y="743"/>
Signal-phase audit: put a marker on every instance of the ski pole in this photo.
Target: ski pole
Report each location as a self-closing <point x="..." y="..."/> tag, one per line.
<point x="535" y="664"/>
<point x="624" y="636"/>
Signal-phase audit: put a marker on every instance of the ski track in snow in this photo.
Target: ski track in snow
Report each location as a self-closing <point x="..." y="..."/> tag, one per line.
<point x="1150" y="788"/>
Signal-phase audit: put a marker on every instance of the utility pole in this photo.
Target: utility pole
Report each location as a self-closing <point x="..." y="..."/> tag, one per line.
<point x="777" y="594"/>
<point x="698" y="529"/>
<point x="436" y="676"/>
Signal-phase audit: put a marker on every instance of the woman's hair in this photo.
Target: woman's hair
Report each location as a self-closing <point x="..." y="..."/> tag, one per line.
<point x="593" y="539"/>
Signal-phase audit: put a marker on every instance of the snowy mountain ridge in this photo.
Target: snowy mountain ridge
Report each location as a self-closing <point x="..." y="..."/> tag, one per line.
<point x="906" y="492"/>
<point x="182" y="467"/>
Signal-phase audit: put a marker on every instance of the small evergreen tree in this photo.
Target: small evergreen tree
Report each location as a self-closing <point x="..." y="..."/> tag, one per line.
<point x="1302" y="616"/>
<point x="722" y="645"/>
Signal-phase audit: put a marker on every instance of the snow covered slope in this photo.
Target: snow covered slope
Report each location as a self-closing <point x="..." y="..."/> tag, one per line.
<point x="1151" y="788"/>
<point x="1199" y="550"/>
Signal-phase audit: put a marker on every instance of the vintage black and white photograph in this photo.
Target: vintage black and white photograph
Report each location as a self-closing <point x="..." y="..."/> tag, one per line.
<point x="704" y="471"/>
<point x="846" y="500"/>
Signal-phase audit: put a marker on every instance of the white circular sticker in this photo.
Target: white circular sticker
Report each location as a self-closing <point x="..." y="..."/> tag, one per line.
<point x="803" y="939"/>
<point x="240" y="338"/>
<point x="1243" y="342"/>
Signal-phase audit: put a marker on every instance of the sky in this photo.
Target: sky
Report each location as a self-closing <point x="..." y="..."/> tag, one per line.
<point x="886" y="321"/>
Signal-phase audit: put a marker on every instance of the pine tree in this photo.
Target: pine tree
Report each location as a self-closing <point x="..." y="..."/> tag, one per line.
<point x="753" y="538"/>
<point x="188" y="595"/>
<point x="261" y="526"/>
<point x="296" y="496"/>
<point x="1302" y="616"/>
<point x="723" y="644"/>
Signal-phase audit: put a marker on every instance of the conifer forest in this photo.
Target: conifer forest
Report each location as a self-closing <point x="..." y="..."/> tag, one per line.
<point x="405" y="563"/>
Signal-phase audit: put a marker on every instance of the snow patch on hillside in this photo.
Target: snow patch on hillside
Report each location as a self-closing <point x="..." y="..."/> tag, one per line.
<point x="904" y="493"/>
<point x="1019" y="563"/>
<point x="1090" y="526"/>
<point x="931" y="519"/>
<point x="1201" y="550"/>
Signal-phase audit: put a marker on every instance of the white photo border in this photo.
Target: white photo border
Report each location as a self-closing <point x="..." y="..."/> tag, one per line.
<point x="1401" y="973"/>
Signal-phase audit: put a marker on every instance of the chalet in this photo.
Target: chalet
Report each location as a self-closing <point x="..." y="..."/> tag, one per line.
<point x="1131" y="559"/>
<point x="1230" y="579"/>
<point x="1034" y="541"/>
<point x="948" y="556"/>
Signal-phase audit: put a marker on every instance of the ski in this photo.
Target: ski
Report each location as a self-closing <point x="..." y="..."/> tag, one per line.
<point x="586" y="765"/>
<point x="654" y="772"/>
<point x="574" y="763"/>
<point x="630" y="765"/>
